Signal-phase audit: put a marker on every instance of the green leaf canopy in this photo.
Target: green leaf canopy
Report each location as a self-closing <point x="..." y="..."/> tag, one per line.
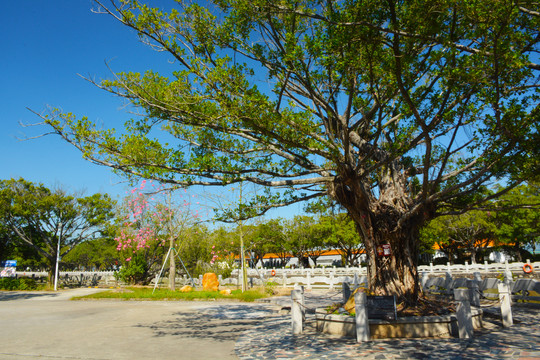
<point x="398" y="110"/>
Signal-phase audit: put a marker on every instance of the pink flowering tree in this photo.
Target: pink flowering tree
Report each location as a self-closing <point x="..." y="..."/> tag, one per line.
<point x="140" y="236"/>
<point x="223" y="252"/>
<point x="153" y="218"/>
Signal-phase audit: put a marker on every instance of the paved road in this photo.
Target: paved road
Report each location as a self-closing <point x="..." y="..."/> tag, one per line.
<point x="50" y="326"/>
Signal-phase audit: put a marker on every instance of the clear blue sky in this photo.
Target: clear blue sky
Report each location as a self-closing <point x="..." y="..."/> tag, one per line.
<point x="45" y="45"/>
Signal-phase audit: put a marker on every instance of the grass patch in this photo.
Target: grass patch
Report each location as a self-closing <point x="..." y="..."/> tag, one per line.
<point x="136" y="293"/>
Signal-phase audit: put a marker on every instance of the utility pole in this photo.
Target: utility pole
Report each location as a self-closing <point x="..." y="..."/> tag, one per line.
<point x="172" y="262"/>
<point x="242" y="254"/>
<point x="57" y="256"/>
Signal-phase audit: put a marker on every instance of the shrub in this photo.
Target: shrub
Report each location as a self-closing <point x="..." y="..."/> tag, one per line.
<point x="134" y="271"/>
<point x="18" y="284"/>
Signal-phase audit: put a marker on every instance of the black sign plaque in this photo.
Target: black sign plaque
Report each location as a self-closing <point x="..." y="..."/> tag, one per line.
<point x="381" y="307"/>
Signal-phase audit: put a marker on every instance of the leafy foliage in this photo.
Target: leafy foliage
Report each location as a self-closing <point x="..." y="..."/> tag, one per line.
<point x="8" y="283"/>
<point x="136" y="270"/>
<point x="508" y="224"/>
<point x="41" y="218"/>
<point x="400" y="111"/>
<point x="517" y="219"/>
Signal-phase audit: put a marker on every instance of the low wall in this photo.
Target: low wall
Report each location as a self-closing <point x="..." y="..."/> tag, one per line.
<point x="406" y="327"/>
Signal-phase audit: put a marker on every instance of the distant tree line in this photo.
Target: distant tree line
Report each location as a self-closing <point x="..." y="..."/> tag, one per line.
<point x="98" y="233"/>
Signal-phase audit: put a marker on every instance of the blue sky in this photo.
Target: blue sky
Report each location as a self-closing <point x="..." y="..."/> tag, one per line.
<point x="45" y="45"/>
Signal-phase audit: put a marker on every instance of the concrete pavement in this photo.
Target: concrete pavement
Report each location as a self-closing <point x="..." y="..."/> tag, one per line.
<point x="274" y="339"/>
<point x="48" y="325"/>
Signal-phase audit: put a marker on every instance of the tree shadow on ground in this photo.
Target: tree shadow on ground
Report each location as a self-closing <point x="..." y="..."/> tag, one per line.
<point x="20" y="295"/>
<point x="220" y="322"/>
<point x="202" y="326"/>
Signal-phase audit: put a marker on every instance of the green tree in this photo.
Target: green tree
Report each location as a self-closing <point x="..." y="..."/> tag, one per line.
<point x="462" y="237"/>
<point x="342" y="235"/>
<point x="195" y="249"/>
<point x="98" y="254"/>
<point x="517" y="220"/>
<point x="47" y="220"/>
<point x="11" y="249"/>
<point x="261" y="237"/>
<point x="279" y="245"/>
<point x="304" y="239"/>
<point x="399" y="111"/>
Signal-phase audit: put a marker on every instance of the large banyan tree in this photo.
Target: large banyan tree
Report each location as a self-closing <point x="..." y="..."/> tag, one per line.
<point x="399" y="111"/>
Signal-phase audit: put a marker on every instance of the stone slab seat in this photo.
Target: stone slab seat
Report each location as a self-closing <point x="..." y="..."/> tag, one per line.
<point x="458" y="283"/>
<point x="489" y="283"/>
<point x="525" y="285"/>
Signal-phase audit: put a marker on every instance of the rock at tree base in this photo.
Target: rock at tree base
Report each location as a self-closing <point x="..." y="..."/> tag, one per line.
<point x="186" y="288"/>
<point x="350" y="304"/>
<point x="210" y="282"/>
<point x="225" y="292"/>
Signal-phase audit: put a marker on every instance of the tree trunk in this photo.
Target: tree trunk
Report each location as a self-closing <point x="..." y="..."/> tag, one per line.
<point x="172" y="269"/>
<point x="395" y="273"/>
<point x="473" y="255"/>
<point x="385" y="220"/>
<point x="51" y="270"/>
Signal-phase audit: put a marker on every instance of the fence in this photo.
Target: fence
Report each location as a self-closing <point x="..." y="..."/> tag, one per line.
<point x="313" y="278"/>
<point x="75" y="278"/>
<point x="333" y="277"/>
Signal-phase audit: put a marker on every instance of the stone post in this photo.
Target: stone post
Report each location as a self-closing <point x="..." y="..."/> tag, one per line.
<point x="463" y="313"/>
<point x="423" y="279"/>
<point x="474" y="292"/>
<point x="346" y="288"/>
<point x="302" y="302"/>
<point x="505" y="298"/>
<point x="331" y="281"/>
<point x="477" y="276"/>
<point x="356" y="283"/>
<point x="284" y="278"/>
<point x="309" y="279"/>
<point x="508" y="278"/>
<point x="296" y="311"/>
<point x="362" y="321"/>
<point x="448" y="281"/>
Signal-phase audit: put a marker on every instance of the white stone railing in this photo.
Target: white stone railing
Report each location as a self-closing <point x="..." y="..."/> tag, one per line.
<point x="332" y="277"/>
<point x="64" y="273"/>
<point x="482" y="268"/>
<point x="432" y="269"/>
<point x="325" y="277"/>
<point x="83" y="278"/>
